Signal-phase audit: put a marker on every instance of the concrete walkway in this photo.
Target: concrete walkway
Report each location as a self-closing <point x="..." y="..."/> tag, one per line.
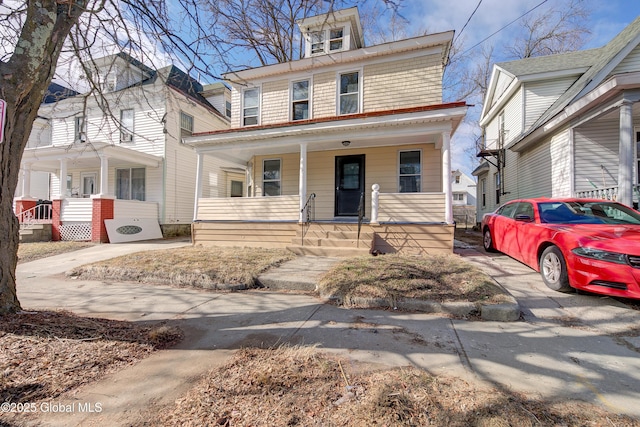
<point x="545" y="358"/>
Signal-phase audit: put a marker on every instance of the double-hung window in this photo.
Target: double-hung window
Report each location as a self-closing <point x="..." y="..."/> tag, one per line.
<point x="317" y="42"/>
<point x="186" y="125"/>
<point x="300" y="100"/>
<point x="335" y="39"/>
<point x="130" y="184"/>
<point x="271" y="177"/>
<point x="410" y="171"/>
<point x="80" y="129"/>
<point x="126" y="125"/>
<point x="250" y="106"/>
<point x="349" y="93"/>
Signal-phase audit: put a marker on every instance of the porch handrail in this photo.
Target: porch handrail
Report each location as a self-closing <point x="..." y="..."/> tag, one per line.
<point x="39" y="214"/>
<point x="308" y="214"/>
<point x="360" y="217"/>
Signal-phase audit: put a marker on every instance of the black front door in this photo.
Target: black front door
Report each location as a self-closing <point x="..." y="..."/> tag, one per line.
<point x="349" y="184"/>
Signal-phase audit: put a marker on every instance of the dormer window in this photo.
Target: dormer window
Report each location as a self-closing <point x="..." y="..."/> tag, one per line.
<point x="107" y="81"/>
<point x="317" y="42"/>
<point x="251" y="107"/>
<point x="335" y="39"/>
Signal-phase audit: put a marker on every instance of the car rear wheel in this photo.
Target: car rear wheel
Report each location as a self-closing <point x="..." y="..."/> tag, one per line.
<point x="553" y="269"/>
<point x="487" y="241"/>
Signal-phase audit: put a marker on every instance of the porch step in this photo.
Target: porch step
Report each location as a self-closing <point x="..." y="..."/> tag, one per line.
<point x="35" y="233"/>
<point x="324" y="251"/>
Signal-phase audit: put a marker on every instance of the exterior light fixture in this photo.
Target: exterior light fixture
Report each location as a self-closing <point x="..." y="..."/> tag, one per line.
<point x="346" y="143"/>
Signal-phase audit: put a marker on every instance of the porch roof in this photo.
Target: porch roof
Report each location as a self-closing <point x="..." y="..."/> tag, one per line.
<point x="86" y="155"/>
<point x="380" y="128"/>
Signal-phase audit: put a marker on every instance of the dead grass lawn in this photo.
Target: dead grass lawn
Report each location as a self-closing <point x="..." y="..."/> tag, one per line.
<point x="200" y="267"/>
<point x="444" y="278"/>
<point x="300" y="386"/>
<point x="36" y="250"/>
<point x="46" y="353"/>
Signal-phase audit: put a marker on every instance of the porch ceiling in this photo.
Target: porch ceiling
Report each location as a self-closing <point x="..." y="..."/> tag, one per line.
<point x="86" y="155"/>
<point x="362" y="132"/>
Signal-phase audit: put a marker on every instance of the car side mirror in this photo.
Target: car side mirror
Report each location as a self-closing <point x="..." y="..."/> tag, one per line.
<point x="523" y="218"/>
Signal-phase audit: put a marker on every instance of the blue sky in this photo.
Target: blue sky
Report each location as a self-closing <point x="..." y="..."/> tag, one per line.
<point x="608" y="18"/>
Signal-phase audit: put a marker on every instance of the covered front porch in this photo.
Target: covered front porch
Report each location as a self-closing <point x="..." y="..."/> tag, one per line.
<point x="89" y="183"/>
<point x="382" y="183"/>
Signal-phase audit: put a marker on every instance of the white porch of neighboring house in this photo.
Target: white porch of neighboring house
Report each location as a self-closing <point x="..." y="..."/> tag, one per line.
<point x="319" y="200"/>
<point x="603" y="157"/>
<point x="81" y="214"/>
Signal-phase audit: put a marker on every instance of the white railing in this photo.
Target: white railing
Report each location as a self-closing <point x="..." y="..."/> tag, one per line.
<point x="606" y="193"/>
<point x="39" y="214"/>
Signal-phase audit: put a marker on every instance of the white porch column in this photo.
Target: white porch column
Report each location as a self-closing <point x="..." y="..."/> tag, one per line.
<point x="25" y="181"/>
<point x="446" y="177"/>
<point x="375" y="203"/>
<point x="62" y="190"/>
<point x="198" y="185"/>
<point x="625" y="155"/>
<point x="104" y="175"/>
<point x="302" y="184"/>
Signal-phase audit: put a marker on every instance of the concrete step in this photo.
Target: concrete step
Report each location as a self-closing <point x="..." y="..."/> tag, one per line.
<point x="302" y="273"/>
<point x="325" y="251"/>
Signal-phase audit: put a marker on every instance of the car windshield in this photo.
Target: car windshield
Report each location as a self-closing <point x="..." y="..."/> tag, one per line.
<point x="577" y="212"/>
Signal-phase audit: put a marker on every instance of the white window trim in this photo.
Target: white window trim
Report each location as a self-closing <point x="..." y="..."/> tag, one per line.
<point x="130" y="169"/>
<point x="360" y="98"/>
<point x="242" y="116"/>
<point x="80" y="135"/>
<point x="343" y="38"/>
<point x="309" y="97"/>
<point x="421" y="167"/>
<point x="271" y="180"/>
<point x="193" y="123"/>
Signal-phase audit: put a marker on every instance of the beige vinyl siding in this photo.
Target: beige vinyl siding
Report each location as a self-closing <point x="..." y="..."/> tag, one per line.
<point x="236" y="120"/>
<point x="324" y="94"/>
<point x="40" y="135"/>
<point x="275" y="102"/>
<point x="277" y="208"/>
<point x="596" y="144"/>
<point x="381" y="167"/>
<point x="244" y="234"/>
<point x="403" y="83"/>
<point x="629" y="64"/>
<point x="539" y="96"/>
<point x="411" y="207"/>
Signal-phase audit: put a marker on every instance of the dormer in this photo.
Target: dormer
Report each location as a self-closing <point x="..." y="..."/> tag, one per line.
<point x="116" y="72"/>
<point x="332" y="32"/>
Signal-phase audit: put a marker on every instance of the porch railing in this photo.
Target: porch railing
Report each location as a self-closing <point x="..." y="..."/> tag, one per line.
<point x="607" y="193"/>
<point x="308" y="215"/>
<point x="39" y="214"/>
<point x="360" y="217"/>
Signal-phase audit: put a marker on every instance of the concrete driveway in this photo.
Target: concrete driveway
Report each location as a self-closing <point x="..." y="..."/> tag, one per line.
<point x="566" y="346"/>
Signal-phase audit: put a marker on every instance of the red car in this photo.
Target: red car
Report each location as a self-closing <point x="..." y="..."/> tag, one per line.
<point x="590" y="245"/>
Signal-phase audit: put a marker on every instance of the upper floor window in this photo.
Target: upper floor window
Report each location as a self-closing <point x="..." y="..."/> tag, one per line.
<point x="317" y="42"/>
<point x="126" y="125"/>
<point x="483" y="191"/>
<point x="410" y="171"/>
<point x="335" y="39"/>
<point x="349" y="93"/>
<point x="250" y="107"/>
<point x="227" y="108"/>
<point x="457" y="179"/>
<point x="186" y="125"/>
<point x="80" y="129"/>
<point x="300" y="100"/>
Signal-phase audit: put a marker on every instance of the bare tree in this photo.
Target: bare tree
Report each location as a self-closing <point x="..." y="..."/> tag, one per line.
<point x="39" y="35"/>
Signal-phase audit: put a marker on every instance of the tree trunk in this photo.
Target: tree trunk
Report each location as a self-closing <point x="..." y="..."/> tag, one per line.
<point x="24" y="80"/>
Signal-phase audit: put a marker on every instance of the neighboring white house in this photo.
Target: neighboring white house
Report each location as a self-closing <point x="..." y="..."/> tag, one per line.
<point x="349" y="138"/>
<point x="563" y="125"/>
<point x="463" y="188"/>
<point x="118" y="152"/>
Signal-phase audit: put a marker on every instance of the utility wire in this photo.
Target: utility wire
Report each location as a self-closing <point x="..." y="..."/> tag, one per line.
<point x="496" y="32"/>
<point x="467" y="23"/>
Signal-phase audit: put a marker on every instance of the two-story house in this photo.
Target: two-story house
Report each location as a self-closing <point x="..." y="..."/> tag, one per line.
<point x="563" y="125"/>
<point x="117" y="153"/>
<point x="350" y="141"/>
<point x="463" y="189"/>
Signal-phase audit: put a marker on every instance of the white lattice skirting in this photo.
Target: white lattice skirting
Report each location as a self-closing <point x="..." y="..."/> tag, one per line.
<point x="77" y="232"/>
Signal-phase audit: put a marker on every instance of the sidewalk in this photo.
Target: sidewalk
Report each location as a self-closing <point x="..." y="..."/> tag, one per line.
<point x="547" y="359"/>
